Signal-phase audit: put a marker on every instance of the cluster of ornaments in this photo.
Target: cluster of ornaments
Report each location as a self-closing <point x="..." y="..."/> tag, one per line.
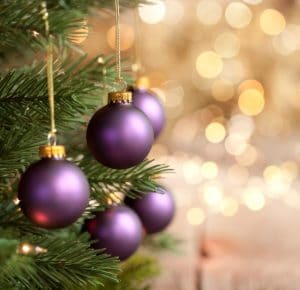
<point x="120" y="229"/>
<point x="54" y="192"/>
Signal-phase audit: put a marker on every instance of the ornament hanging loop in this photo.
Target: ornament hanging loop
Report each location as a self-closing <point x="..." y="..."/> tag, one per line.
<point x="120" y="82"/>
<point x="50" y="82"/>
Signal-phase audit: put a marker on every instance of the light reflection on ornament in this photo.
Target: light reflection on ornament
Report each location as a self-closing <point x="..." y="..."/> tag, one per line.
<point x="272" y="22"/>
<point x="209" y="12"/>
<point x="238" y="15"/>
<point x="227" y="45"/>
<point x="222" y="90"/>
<point x="209" y="64"/>
<point x="209" y="170"/>
<point x="195" y="216"/>
<point x="251" y="102"/>
<point x="154" y="13"/>
<point x="215" y="132"/>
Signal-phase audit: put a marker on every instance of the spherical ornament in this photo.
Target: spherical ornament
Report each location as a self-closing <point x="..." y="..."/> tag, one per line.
<point x="148" y="103"/>
<point x="156" y="210"/>
<point x="119" y="135"/>
<point x="53" y="193"/>
<point x="118" y="230"/>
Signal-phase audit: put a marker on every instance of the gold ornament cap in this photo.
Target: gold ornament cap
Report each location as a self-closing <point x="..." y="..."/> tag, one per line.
<point x="52" y="151"/>
<point x="120" y="97"/>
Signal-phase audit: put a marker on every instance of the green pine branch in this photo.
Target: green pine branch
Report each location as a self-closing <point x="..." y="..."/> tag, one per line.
<point x="68" y="263"/>
<point x="137" y="274"/>
<point x="133" y="182"/>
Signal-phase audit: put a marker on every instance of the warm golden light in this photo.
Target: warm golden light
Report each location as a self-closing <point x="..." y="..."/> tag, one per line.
<point x="238" y="15"/>
<point x="229" y="206"/>
<point x="272" y="22"/>
<point x="79" y="35"/>
<point x="212" y="194"/>
<point x="192" y="171"/>
<point x="222" y="90"/>
<point x="215" y="132"/>
<point x="251" y="102"/>
<point x="238" y="175"/>
<point x="254" y="198"/>
<point x="154" y="13"/>
<point x="227" y="45"/>
<point x="209" y="12"/>
<point x="209" y="170"/>
<point x="209" y="64"/>
<point x="127" y="37"/>
<point x="26" y="248"/>
<point x="251" y="84"/>
<point x="248" y="157"/>
<point x="195" y="216"/>
<point x="235" y="144"/>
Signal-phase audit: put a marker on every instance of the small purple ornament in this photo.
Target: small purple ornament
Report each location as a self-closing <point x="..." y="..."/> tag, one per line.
<point x="119" y="135"/>
<point x="53" y="193"/>
<point x="156" y="210"/>
<point x="148" y="103"/>
<point x="118" y="230"/>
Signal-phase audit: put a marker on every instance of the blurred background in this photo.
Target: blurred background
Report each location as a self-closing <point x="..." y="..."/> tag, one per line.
<point x="228" y="75"/>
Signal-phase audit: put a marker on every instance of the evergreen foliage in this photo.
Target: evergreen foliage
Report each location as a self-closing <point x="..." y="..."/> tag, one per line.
<point x="66" y="261"/>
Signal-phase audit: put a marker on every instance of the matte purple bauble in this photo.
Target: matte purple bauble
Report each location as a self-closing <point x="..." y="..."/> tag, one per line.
<point x="149" y="104"/>
<point x="156" y="210"/>
<point x="118" y="230"/>
<point x="119" y="135"/>
<point x="53" y="193"/>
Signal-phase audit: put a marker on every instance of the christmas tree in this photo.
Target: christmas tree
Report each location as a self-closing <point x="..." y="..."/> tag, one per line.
<point x="32" y="257"/>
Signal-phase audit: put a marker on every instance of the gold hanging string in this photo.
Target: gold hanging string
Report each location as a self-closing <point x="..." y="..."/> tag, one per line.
<point x="138" y="49"/>
<point x="53" y="131"/>
<point x="119" y="78"/>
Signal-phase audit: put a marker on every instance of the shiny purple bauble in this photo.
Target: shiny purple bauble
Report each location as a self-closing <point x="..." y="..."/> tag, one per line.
<point x="150" y="105"/>
<point x="155" y="210"/>
<point x="53" y="193"/>
<point x="119" y="135"/>
<point x="118" y="230"/>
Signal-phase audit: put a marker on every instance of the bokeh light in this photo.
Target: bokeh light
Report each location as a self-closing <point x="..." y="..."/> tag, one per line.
<point x="213" y="194"/>
<point x="209" y="64"/>
<point x="272" y="22"/>
<point x="209" y="12"/>
<point x="209" y="170"/>
<point x="251" y="84"/>
<point x="251" y="102"/>
<point x="253" y="198"/>
<point x="215" y="132"/>
<point x="227" y="45"/>
<point x="127" y="36"/>
<point x="222" y="90"/>
<point x="195" y="216"/>
<point x="154" y="13"/>
<point x="238" y="15"/>
<point x="229" y="206"/>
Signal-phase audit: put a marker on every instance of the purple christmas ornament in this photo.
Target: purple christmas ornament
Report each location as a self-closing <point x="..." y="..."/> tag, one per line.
<point x="53" y="193"/>
<point x="118" y="230"/>
<point x="156" y="210"/>
<point x="119" y="135"/>
<point x="148" y="103"/>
